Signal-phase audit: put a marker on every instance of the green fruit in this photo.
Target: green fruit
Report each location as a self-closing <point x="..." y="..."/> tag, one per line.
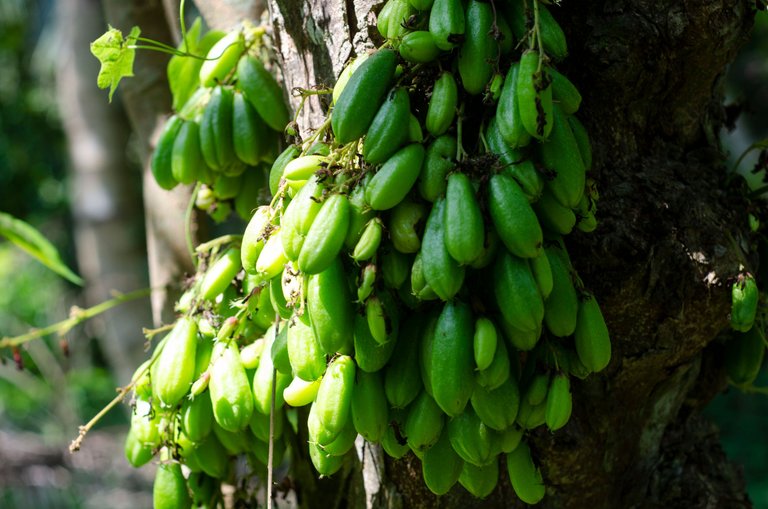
<point x="443" y="274"/>
<point x="744" y="356"/>
<point x="552" y="36"/>
<point x="169" y="490"/>
<point x="542" y="273"/>
<point x="263" y="91"/>
<point x="442" y="104"/>
<point x="330" y="310"/>
<point x="278" y="167"/>
<point x="334" y="398"/>
<point x="441" y="466"/>
<point x="404" y="225"/>
<point x="464" y="231"/>
<point x="498" y="372"/>
<point x="560" y="154"/>
<point x="326" y="235"/>
<point x="304" y="351"/>
<point x="513" y="217"/>
<point x="278" y="351"/>
<point x="514" y="163"/>
<point x="525" y="476"/>
<point x="186" y="159"/>
<point x="517" y="294"/>
<point x="419" y="47"/>
<point x="220" y="274"/>
<point x="343" y="443"/>
<point x="370" y="355"/>
<point x="480" y="481"/>
<point x="424" y="423"/>
<point x="446" y="23"/>
<point x="254" y="238"/>
<point x="391" y="24"/>
<point x="145" y="422"/>
<point x="395" y="178"/>
<point x="222" y="58"/>
<point x="230" y="389"/>
<point x="497" y="408"/>
<point x="534" y="96"/>
<point x="363" y="94"/>
<point x="216" y="130"/>
<point x="508" y="119"/>
<point x="249" y="132"/>
<point x="438" y="161"/>
<point x="591" y="336"/>
<point x="451" y="362"/>
<point x="582" y="140"/>
<point x="262" y="382"/>
<point x="325" y="464"/>
<point x="173" y="371"/>
<point x="562" y="305"/>
<point x="162" y="157"/>
<point x="744" y="298"/>
<point x="197" y="417"/>
<point x="212" y="457"/>
<point x="299" y="216"/>
<point x="137" y="453"/>
<point x="553" y="216"/>
<point x="395" y="267"/>
<point x="559" y="402"/>
<point x="369" y="406"/>
<point x="564" y="92"/>
<point x="369" y="241"/>
<point x="479" y="51"/>
<point x="484" y="343"/>
<point x="260" y="423"/>
<point x="402" y="378"/>
<point x="386" y="133"/>
<point x="366" y="282"/>
<point x="300" y="392"/>
<point x="472" y="440"/>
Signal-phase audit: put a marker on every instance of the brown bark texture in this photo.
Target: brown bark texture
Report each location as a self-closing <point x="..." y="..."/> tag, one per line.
<point x="671" y="236"/>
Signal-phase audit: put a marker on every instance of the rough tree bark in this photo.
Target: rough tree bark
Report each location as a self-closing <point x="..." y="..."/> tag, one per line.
<point x="670" y="236"/>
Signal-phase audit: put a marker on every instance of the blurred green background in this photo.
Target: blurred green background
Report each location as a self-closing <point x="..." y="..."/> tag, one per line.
<point x="42" y="405"/>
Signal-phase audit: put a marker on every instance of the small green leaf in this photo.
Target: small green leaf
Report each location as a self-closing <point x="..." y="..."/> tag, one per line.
<point x="33" y="242"/>
<point x="116" y="56"/>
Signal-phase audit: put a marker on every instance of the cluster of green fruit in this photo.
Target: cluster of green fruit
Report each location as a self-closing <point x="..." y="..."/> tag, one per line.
<point x="225" y="133"/>
<point x="411" y="287"/>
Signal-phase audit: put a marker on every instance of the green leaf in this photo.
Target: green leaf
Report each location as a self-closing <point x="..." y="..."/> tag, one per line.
<point x="184" y="71"/>
<point x="33" y="242"/>
<point x="116" y="56"/>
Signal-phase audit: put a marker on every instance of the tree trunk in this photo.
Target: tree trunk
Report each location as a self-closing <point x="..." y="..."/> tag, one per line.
<point x="669" y="239"/>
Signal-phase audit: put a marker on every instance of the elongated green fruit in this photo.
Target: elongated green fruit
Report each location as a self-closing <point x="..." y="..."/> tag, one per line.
<point x="451" y="361"/>
<point x="362" y="96"/>
<point x="582" y="140"/>
<point x="419" y="47"/>
<point x="259" y="424"/>
<point x="173" y="370"/>
<point x="442" y="104"/>
<point x="369" y="406"/>
<point x="262" y="381"/>
<point x="300" y="392"/>
<point x="250" y="354"/>
<point x="517" y="294"/>
<point x="405" y="222"/>
<point x="562" y="305"/>
<point x="212" y="456"/>
<point x="299" y="216"/>
<point x="525" y="476"/>
<point x="342" y="443"/>
<point x="144" y="424"/>
<point x="136" y="453"/>
<point x="162" y="157"/>
<point x="392" y="20"/>
<point x="591" y="336"/>
<point x="263" y="91"/>
<point x="480" y="481"/>
<point x="216" y="137"/>
<point x="497" y="408"/>
<point x="534" y="96"/>
<point x="484" y="344"/>
<point x="369" y="242"/>
<point x="446" y="23"/>
<point x="441" y="466"/>
<point x="186" y="159"/>
<point x="377" y="320"/>
<point x="304" y="351"/>
<point x="326" y="236"/>
<point x="254" y="238"/>
<point x="424" y="423"/>
<point x="559" y="402"/>
<point x="438" y="161"/>
<point x="366" y="281"/>
<point x="419" y="286"/>
<point x="515" y="163"/>
<point x="479" y="49"/>
<point x="402" y="378"/>
<point x="370" y="355"/>
<point x="536" y="392"/>
<point x="278" y="167"/>
<point x="359" y="213"/>
<point x="249" y="131"/>
<point x="330" y="311"/>
<point x="393" y="442"/>
<point x="230" y="389"/>
<point x="507" y="117"/>
<point x="744" y="298"/>
<point x="498" y="372"/>
<point x="564" y="92"/>
<point x="744" y="356"/>
<point x="325" y="464"/>
<point x="464" y="232"/>
<point x="386" y="133"/>
<point x="542" y="273"/>
<point x="554" y="216"/>
<point x="443" y="274"/>
<point x="395" y="178"/>
<point x="220" y="274"/>
<point x="472" y="440"/>
<point x="197" y="416"/>
<point x="350" y="68"/>
<point x="552" y="36"/>
<point x="421" y="5"/>
<point x="513" y="217"/>
<point x="222" y="58"/>
<point x="334" y="398"/>
<point x="169" y="490"/>
<point x="561" y="155"/>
